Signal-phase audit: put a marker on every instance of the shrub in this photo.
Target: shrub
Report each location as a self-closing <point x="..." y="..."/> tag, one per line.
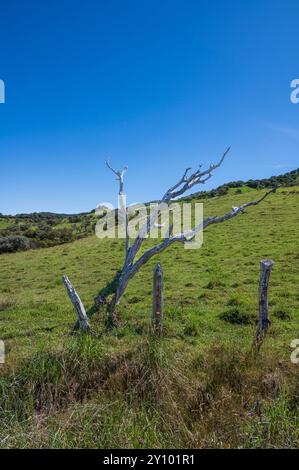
<point x="191" y="329"/>
<point x="236" y="316"/>
<point x="14" y="243"/>
<point x="282" y="314"/>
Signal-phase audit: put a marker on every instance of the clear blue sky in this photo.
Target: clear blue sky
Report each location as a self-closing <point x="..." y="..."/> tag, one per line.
<point x="158" y="85"/>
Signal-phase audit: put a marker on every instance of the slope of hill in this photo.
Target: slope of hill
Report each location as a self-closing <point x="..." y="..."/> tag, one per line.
<point x="45" y="229"/>
<point x="198" y="386"/>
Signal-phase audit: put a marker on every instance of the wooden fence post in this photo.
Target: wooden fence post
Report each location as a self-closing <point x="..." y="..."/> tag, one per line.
<point x="157" y="313"/>
<point x="264" y="322"/>
<point x="78" y="305"/>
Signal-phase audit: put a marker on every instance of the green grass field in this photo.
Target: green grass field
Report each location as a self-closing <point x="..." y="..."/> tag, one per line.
<point x="199" y="386"/>
<point x="4" y="223"/>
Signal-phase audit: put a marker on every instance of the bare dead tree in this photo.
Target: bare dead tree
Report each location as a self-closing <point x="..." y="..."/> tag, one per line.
<point x="132" y="265"/>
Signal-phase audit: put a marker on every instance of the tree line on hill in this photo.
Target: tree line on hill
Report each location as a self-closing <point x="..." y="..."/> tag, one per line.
<point x="286" y="180"/>
<point x="41" y="230"/>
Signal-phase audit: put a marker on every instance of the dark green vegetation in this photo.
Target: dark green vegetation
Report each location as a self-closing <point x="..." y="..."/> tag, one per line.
<point x="40" y="230"/>
<point x="199" y="386"/>
<point x="285" y="180"/>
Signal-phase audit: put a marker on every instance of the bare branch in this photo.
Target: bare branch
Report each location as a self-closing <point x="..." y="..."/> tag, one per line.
<point x="110" y="168"/>
<point x="187" y="182"/>
<point x="120" y="176"/>
<point x="122" y="201"/>
<point x="187" y="236"/>
<point x="233" y="213"/>
<point x="118" y="173"/>
<point x="182" y="180"/>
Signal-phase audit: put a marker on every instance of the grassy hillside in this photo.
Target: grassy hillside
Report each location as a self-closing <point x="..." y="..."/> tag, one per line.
<point x="198" y="386"/>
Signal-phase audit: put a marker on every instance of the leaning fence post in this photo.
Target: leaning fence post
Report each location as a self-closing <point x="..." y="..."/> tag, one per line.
<point x="157" y="313"/>
<point x="77" y="303"/>
<point x="264" y="322"/>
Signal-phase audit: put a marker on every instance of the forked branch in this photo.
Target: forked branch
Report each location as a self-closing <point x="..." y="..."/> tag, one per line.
<point x="187" y="182"/>
<point x="122" y="202"/>
<point x="120" y="176"/>
<point x="182" y="186"/>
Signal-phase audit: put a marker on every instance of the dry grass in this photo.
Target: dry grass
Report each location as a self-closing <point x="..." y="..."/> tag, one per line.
<point x="221" y="397"/>
<point x="6" y="303"/>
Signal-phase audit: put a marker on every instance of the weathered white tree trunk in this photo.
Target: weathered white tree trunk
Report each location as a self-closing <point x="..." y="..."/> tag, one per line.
<point x="157" y="313"/>
<point x="123" y="213"/>
<point x="264" y="322"/>
<point x="78" y="305"/>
